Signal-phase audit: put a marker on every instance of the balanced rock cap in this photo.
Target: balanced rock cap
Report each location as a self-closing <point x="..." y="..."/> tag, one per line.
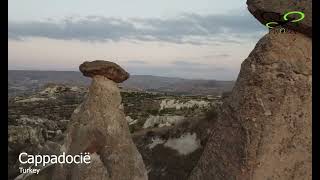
<point x="107" y="69"/>
<point x="274" y="10"/>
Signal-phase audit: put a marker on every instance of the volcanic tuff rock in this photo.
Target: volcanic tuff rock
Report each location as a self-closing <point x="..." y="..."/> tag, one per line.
<point x="264" y="129"/>
<point x="99" y="127"/>
<point x="49" y="119"/>
<point x="280" y="7"/>
<point x="107" y="69"/>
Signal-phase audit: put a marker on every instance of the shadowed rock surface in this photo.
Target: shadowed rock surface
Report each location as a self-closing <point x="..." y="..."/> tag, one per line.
<point x="264" y="129"/>
<point x="265" y="10"/>
<point x="107" y="69"/>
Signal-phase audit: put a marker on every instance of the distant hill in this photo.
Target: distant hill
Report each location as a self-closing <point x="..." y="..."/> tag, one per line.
<point x="25" y="82"/>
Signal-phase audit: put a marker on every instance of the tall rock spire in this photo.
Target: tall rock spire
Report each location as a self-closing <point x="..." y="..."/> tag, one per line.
<point x="264" y="130"/>
<point x="98" y="126"/>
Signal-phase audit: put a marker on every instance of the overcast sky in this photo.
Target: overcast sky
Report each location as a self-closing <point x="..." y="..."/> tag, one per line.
<point x="205" y="39"/>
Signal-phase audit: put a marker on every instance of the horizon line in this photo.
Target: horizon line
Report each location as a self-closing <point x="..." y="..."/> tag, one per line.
<point x="130" y="74"/>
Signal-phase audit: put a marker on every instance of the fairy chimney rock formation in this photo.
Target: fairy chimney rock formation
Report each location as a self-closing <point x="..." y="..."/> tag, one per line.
<point x="264" y="129"/>
<point x="98" y="126"/>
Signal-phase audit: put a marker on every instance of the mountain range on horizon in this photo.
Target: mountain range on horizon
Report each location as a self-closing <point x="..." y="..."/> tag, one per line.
<point x="131" y="74"/>
<point x="24" y="81"/>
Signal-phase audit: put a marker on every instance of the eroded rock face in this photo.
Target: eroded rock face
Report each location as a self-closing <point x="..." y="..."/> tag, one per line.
<point x="107" y="69"/>
<point x="264" y="129"/>
<point x="281" y="7"/>
<point x="98" y="126"/>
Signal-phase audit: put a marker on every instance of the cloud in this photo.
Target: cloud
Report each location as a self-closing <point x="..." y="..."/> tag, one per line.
<point x="223" y="55"/>
<point x="186" y="63"/>
<point x="187" y="28"/>
<point x="136" y="62"/>
<point x="196" y="67"/>
<point x="192" y="72"/>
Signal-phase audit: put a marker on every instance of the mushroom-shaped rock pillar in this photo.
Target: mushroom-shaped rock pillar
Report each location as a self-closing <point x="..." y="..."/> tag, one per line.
<point x="98" y="126"/>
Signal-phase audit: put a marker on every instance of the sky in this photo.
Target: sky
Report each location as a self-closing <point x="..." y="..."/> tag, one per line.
<point x="195" y="39"/>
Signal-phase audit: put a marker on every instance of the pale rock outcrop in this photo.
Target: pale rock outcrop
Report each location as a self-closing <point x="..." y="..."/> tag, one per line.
<point x="185" y="144"/>
<point x="264" y="130"/>
<point x="100" y="128"/>
<point x="166" y="104"/>
<point x="161" y="121"/>
<point x="20" y="136"/>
